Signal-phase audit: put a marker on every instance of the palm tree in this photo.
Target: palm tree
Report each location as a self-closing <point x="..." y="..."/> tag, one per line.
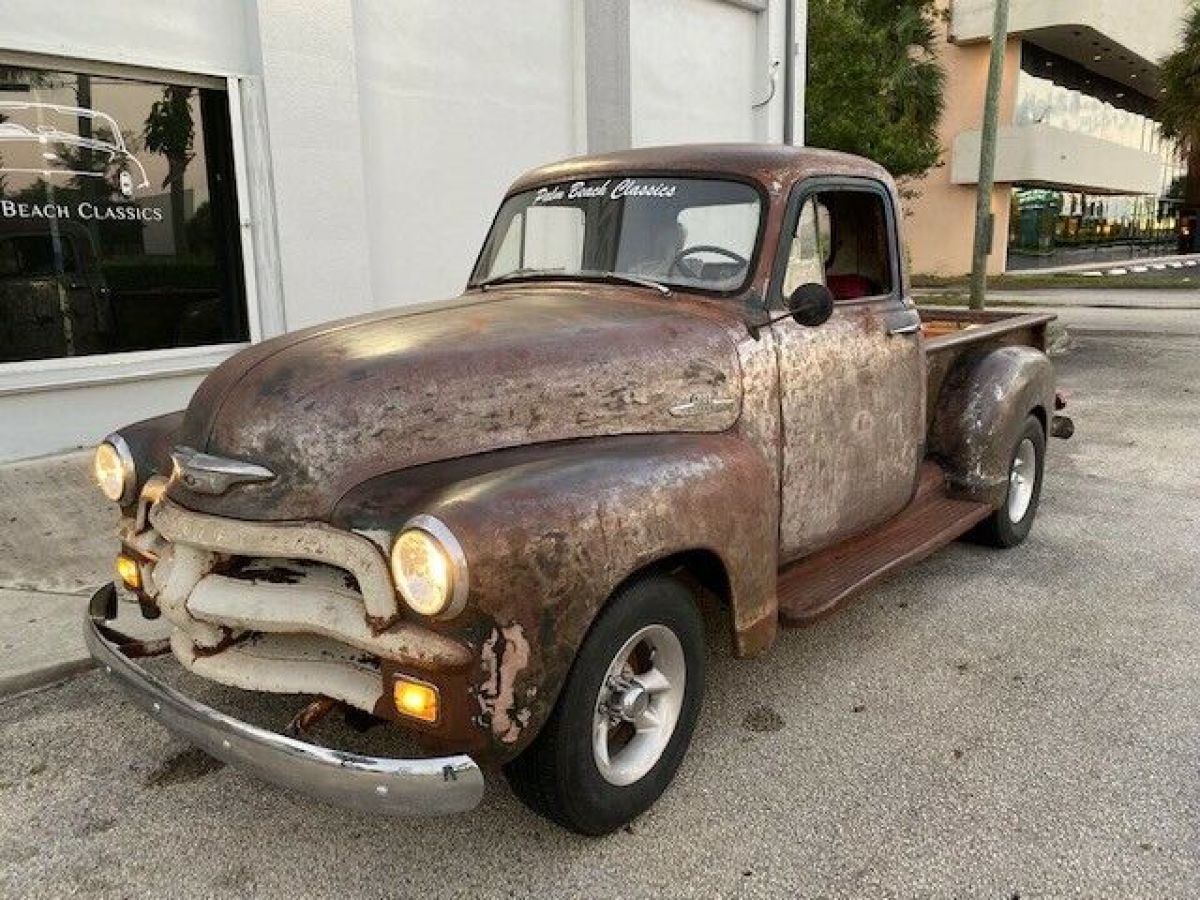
<point x="875" y="84"/>
<point x="171" y="131"/>
<point x="1179" y="106"/>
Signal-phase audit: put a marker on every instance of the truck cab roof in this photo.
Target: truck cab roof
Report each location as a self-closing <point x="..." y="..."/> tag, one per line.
<point x="774" y="166"/>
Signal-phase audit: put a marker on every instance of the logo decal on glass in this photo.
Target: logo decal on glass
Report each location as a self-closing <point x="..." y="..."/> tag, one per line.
<point x="45" y="139"/>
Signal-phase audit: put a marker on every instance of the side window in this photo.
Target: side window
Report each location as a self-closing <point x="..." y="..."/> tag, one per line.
<point x="858" y="255"/>
<point x="806" y="256"/>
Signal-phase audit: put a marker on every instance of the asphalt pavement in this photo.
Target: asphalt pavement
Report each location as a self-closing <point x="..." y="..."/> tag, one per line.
<point x="988" y="724"/>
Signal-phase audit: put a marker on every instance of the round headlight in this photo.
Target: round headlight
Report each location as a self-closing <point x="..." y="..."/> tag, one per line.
<point x="429" y="568"/>
<point x="113" y="467"/>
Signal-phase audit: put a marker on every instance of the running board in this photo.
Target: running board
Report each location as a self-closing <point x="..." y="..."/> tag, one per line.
<point x="818" y="584"/>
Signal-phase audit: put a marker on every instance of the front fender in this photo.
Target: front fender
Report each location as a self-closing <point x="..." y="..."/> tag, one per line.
<point x="550" y="532"/>
<point x="984" y="402"/>
<point x="150" y="442"/>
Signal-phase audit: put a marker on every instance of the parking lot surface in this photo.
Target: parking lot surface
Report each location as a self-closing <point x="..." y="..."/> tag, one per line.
<point x="988" y="724"/>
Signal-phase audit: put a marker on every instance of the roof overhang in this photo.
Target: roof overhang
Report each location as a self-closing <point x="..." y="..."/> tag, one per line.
<point x="1051" y="157"/>
<point x="1119" y="40"/>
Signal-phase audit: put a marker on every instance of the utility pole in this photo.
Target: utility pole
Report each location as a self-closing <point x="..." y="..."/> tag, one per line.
<point x="984" y="221"/>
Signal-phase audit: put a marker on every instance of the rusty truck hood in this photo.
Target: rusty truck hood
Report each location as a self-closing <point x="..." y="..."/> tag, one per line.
<point x="329" y="407"/>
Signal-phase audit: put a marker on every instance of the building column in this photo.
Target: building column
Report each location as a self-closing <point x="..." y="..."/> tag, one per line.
<point x="606" y="61"/>
<point x="314" y="132"/>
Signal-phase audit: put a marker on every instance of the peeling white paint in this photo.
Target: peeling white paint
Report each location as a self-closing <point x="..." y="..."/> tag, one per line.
<point x="504" y="655"/>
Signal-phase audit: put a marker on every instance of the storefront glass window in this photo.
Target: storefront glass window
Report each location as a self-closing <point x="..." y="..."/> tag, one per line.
<point x="1049" y="227"/>
<point x="118" y="219"/>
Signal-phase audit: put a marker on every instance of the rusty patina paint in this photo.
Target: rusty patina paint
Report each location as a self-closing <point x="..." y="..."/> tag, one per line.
<point x="552" y="530"/>
<point x="150" y="442"/>
<point x="984" y="400"/>
<point x="854" y="426"/>
<point x="535" y="422"/>
<point x="523" y="366"/>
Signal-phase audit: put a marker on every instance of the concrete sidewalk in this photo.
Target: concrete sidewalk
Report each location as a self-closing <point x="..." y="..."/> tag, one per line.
<point x="57" y="542"/>
<point x="1134" y="299"/>
<point x="57" y="531"/>
<point x="42" y="639"/>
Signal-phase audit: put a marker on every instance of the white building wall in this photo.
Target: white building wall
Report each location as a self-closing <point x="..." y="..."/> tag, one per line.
<point x="376" y="139"/>
<point x="204" y="36"/>
<point x="695" y="71"/>
<point x="309" y="79"/>
<point x="1149" y="28"/>
<point x="1043" y="154"/>
<point x="450" y="115"/>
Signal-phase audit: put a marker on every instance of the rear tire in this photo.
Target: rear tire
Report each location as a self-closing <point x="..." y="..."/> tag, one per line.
<point x="625" y="716"/>
<point x="1009" y="525"/>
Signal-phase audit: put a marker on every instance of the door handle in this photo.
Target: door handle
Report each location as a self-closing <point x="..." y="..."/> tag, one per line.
<point x="903" y="321"/>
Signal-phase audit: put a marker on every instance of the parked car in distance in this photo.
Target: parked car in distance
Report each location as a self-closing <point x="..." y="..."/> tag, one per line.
<point x="678" y="378"/>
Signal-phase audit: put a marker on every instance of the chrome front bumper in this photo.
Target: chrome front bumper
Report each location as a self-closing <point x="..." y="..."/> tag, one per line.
<point x="400" y="787"/>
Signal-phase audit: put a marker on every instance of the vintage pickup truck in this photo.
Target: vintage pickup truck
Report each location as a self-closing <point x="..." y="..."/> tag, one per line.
<point x="684" y="385"/>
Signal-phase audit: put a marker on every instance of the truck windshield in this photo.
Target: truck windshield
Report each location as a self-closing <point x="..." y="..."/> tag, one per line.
<point x="688" y="232"/>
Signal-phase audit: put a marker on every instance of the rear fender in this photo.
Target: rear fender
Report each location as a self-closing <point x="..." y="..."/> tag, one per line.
<point x="984" y="402"/>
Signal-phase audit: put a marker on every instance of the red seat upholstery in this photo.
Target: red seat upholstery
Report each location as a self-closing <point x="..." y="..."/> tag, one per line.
<point x="849" y="287"/>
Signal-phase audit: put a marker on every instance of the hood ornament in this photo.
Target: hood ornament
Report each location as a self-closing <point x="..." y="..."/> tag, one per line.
<point x="208" y="474"/>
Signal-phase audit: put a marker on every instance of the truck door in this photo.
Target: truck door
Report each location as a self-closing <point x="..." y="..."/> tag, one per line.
<point x="853" y="389"/>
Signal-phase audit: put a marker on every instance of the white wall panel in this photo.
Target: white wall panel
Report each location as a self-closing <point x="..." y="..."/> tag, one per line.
<point x="67" y="418"/>
<point x="207" y="36"/>
<point x="695" y="71"/>
<point x="453" y="108"/>
<point x="1042" y="154"/>
<point x="316" y="152"/>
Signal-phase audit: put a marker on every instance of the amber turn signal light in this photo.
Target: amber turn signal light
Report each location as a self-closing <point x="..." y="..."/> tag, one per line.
<point x="129" y="572"/>
<point x="416" y="699"/>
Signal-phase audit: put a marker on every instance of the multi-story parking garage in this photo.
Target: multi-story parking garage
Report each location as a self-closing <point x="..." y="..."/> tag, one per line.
<point x="1082" y="172"/>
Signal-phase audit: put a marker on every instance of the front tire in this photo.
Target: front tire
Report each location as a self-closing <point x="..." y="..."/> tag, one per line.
<point x="625" y="716"/>
<point x="1009" y="525"/>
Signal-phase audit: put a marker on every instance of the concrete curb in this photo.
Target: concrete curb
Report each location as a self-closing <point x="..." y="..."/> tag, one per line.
<point x="21" y="682"/>
<point x="41" y="639"/>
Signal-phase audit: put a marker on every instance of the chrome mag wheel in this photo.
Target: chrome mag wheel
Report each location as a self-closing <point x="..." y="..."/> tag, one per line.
<point x="1021" y="480"/>
<point x="638" y="705"/>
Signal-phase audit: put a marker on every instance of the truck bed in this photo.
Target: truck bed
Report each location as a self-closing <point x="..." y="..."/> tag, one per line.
<point x="952" y="331"/>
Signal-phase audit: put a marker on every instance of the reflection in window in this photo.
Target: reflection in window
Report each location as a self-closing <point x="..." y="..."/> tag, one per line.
<point x="117" y="218"/>
<point x="1050" y="227"/>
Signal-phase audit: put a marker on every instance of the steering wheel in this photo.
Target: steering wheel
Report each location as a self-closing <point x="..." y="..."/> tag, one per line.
<point x="676" y="264"/>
